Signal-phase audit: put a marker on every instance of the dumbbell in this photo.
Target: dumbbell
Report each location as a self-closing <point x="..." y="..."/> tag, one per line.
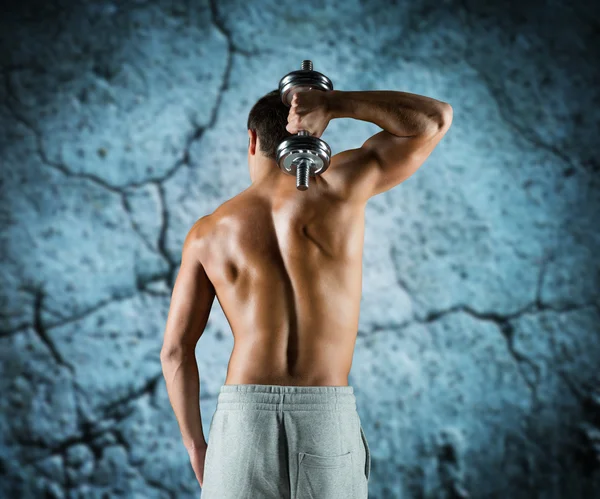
<point x="303" y="155"/>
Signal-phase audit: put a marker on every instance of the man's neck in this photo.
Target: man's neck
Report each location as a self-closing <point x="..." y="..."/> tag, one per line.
<point x="269" y="177"/>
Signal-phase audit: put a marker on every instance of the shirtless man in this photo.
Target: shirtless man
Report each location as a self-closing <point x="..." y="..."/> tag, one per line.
<point x="286" y="267"/>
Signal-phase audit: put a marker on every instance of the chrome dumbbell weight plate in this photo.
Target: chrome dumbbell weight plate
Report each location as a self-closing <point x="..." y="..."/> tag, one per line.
<point x="302" y="80"/>
<point x="303" y="156"/>
<point x="291" y="150"/>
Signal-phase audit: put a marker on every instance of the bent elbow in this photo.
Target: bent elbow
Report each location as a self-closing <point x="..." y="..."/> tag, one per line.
<point x="445" y="117"/>
<point x="439" y="120"/>
<point x="172" y="353"/>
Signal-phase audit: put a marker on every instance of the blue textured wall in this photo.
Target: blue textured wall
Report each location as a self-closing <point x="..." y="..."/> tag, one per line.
<point x="122" y="123"/>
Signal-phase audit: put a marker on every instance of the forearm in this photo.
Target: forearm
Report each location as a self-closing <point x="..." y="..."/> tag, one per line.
<point x="400" y="113"/>
<point x="183" y="386"/>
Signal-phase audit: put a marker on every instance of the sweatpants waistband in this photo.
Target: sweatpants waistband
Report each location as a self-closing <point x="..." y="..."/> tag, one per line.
<point x="286" y="398"/>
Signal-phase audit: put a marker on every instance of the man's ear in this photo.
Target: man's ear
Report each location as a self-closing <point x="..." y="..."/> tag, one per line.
<point x="252" y="138"/>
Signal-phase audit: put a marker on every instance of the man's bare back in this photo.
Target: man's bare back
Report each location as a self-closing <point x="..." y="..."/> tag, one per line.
<point x="286" y="265"/>
<point x="287" y="271"/>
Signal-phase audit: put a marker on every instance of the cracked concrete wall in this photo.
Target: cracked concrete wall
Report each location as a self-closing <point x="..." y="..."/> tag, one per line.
<point x="121" y="123"/>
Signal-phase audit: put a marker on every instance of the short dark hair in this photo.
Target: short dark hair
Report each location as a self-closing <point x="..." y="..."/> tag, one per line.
<point x="269" y="118"/>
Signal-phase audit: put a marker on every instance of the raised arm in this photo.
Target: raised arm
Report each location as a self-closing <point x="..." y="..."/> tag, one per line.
<point x="412" y="127"/>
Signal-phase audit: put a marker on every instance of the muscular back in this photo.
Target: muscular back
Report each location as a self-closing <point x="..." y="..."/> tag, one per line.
<point x="286" y="265"/>
<point x="287" y="271"/>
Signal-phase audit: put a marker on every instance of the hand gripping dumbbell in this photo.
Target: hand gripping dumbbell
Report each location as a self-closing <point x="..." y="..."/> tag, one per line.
<point x="303" y="155"/>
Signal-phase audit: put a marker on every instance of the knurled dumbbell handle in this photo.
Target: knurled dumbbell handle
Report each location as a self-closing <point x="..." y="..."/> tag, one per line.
<point x="302" y="174"/>
<point x="306" y="66"/>
<point x="303" y="169"/>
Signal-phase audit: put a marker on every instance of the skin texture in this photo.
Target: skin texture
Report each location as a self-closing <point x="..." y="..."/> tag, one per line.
<point x="286" y="265"/>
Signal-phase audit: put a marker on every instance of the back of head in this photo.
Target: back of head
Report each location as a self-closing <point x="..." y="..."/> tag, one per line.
<point x="269" y="118"/>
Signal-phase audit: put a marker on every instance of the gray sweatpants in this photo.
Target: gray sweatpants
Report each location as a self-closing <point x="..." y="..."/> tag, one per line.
<point x="286" y="442"/>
